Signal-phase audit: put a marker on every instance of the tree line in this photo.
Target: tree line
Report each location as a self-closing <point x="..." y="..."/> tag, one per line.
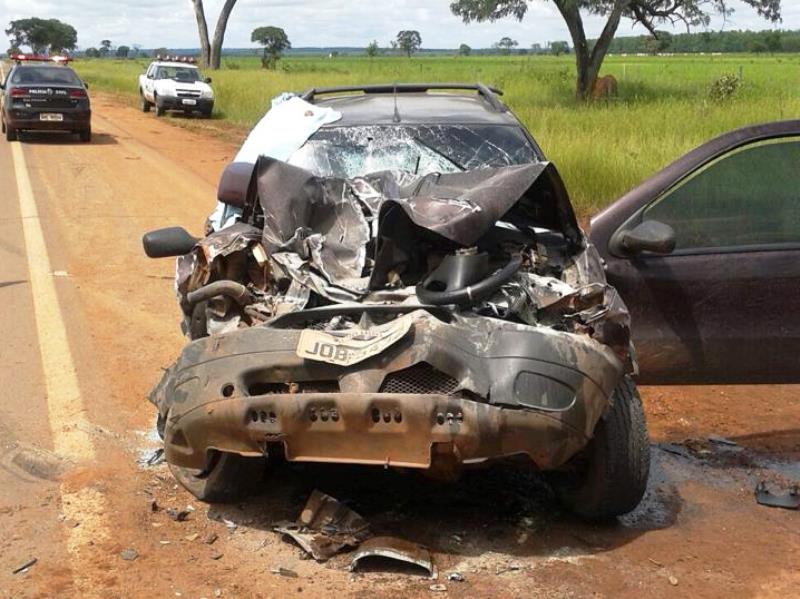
<point x="709" y="42"/>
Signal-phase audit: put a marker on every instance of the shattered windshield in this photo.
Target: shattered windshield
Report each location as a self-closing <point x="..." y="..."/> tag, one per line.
<point x="185" y="74"/>
<point x="420" y="149"/>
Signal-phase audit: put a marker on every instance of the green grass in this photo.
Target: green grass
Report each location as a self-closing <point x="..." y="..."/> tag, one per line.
<point x="601" y="150"/>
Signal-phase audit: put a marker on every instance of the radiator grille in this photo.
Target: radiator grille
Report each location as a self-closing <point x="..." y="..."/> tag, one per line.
<point x="420" y="378"/>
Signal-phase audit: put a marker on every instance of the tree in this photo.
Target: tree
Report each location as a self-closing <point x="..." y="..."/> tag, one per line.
<point x="648" y="13"/>
<point x="91" y="52"/>
<point x="559" y="48"/>
<point x="773" y="42"/>
<point x="123" y="51"/>
<point x="211" y="52"/>
<point x="105" y="48"/>
<point x="506" y="44"/>
<point x="274" y="40"/>
<point x="464" y="50"/>
<point x="536" y="48"/>
<point x="409" y="41"/>
<point x="42" y="35"/>
<point x="373" y="49"/>
<point x="160" y="52"/>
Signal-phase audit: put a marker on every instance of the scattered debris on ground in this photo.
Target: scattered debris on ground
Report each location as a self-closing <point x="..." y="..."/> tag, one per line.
<point x="395" y="549"/>
<point x="281" y="571"/>
<point x="177" y="515"/>
<point x="325" y="527"/>
<point x="24" y="567"/>
<point x="789" y="501"/>
<point x="153" y="458"/>
<point x="129" y="555"/>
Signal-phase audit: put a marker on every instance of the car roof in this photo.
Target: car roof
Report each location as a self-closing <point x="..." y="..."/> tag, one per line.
<point x="416" y="108"/>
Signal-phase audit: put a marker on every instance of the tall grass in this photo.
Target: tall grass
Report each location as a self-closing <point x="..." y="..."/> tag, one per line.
<point x="663" y="108"/>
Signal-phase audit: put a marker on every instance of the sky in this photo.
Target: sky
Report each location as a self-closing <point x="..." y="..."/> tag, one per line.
<point x="170" y="23"/>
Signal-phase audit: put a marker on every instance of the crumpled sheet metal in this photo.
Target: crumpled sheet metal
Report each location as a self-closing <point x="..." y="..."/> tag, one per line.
<point x="330" y="223"/>
<point x="325" y="527"/>
<point x="192" y="270"/>
<point x="789" y="501"/>
<point x="395" y="549"/>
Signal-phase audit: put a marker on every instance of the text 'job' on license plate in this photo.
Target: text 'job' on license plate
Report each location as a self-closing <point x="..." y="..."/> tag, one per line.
<point x="51" y="116"/>
<point x="350" y="346"/>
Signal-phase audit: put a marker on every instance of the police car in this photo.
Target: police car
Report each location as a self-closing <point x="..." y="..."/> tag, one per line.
<point x="175" y="83"/>
<point x="42" y="93"/>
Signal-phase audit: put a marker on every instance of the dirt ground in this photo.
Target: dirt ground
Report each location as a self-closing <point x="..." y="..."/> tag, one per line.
<point x="698" y="533"/>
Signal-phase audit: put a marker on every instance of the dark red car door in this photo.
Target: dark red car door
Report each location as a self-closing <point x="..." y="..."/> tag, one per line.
<point x="706" y="254"/>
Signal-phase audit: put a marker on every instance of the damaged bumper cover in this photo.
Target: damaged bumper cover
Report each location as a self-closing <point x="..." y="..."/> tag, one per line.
<point x="462" y="391"/>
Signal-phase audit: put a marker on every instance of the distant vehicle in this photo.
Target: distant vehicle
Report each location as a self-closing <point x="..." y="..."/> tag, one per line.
<point x="706" y="254"/>
<point x="44" y="94"/>
<point x="175" y="85"/>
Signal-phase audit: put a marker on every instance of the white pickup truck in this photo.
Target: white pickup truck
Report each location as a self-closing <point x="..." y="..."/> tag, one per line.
<point x="172" y="85"/>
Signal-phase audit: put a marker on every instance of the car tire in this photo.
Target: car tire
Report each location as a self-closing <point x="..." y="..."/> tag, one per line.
<point x="609" y="477"/>
<point x="85" y="136"/>
<point x="228" y="477"/>
<point x="206" y="114"/>
<point x="11" y="133"/>
<point x="144" y="104"/>
<point x="160" y="110"/>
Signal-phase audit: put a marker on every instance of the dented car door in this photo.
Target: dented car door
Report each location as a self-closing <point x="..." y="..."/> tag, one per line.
<point x="706" y="254"/>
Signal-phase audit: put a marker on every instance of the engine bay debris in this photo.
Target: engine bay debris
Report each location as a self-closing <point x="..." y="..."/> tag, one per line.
<point x="789" y="501"/>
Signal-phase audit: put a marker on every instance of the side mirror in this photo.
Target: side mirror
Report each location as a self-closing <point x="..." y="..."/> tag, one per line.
<point x="207" y="79"/>
<point x="85" y="84"/>
<point x="172" y="241"/>
<point x="648" y="236"/>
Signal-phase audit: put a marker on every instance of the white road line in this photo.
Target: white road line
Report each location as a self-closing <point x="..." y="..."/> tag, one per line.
<point x="65" y="408"/>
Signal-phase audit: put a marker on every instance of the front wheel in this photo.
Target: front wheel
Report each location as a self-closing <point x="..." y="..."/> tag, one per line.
<point x="85" y="136"/>
<point x="227" y="477"/>
<point x="160" y="110"/>
<point x="11" y="133"/>
<point x="144" y="104"/>
<point x="609" y="477"/>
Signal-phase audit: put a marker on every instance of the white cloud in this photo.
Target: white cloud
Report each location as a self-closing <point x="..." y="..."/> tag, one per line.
<point x="170" y="23"/>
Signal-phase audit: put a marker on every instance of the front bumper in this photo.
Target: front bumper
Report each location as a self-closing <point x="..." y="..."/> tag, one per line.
<point x="174" y="103"/>
<point x="224" y="394"/>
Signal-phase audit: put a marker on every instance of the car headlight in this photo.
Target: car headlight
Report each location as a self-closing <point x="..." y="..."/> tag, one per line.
<point x="208" y="94"/>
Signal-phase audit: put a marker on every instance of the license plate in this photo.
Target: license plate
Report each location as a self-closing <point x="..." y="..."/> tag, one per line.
<point x="350" y="346"/>
<point x="51" y="116"/>
<point x="190" y="102"/>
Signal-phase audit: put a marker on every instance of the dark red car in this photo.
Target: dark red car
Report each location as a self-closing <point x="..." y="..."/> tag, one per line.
<point x="706" y="255"/>
<point x="44" y="94"/>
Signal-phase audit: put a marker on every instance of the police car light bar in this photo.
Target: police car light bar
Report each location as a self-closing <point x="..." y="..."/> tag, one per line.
<point x="40" y="58"/>
<point x="168" y="58"/>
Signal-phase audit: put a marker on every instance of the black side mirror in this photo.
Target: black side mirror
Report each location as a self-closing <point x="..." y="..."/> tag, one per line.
<point x="172" y="241"/>
<point x="648" y="236"/>
<point x="85" y="84"/>
<point x="207" y="79"/>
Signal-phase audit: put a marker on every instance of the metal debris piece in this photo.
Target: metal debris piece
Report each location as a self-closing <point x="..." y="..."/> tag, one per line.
<point x="396" y="549"/>
<point x="717" y="440"/>
<point x="177" y="515"/>
<point x="325" y="527"/>
<point x="24" y="567"/>
<point x="216" y="556"/>
<point x="192" y="537"/>
<point x="154" y="458"/>
<point x="129" y="554"/>
<point x="790" y="501"/>
<point x="281" y="571"/>
<point x="210" y="538"/>
<point x="456" y="577"/>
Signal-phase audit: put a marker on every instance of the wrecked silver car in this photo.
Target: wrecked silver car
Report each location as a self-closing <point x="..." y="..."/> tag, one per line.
<point x="441" y="311"/>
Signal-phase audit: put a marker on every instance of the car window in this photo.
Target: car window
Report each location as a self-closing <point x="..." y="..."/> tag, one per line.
<point x="748" y="197"/>
<point x="187" y="74"/>
<point x="420" y="149"/>
<point x="44" y="76"/>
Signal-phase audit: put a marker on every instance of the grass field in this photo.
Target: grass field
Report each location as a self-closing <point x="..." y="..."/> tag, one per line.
<point x="602" y="150"/>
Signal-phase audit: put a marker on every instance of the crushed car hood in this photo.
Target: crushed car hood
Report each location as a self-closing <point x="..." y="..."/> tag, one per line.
<point x="330" y="221"/>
